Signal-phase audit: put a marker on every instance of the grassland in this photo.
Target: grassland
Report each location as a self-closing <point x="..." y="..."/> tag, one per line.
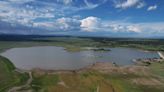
<point x="77" y="43"/>
<point x="104" y="78"/>
<point x="8" y="77"/>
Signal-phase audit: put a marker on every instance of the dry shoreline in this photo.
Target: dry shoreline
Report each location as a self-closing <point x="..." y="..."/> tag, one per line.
<point x="103" y="67"/>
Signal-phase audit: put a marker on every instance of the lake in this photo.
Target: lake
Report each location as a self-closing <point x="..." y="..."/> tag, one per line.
<point x="56" y="58"/>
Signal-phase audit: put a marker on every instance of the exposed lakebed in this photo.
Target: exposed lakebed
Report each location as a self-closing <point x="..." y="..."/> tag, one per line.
<point x="57" y="58"/>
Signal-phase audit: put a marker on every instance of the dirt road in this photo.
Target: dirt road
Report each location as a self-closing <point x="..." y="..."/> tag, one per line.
<point x="15" y="89"/>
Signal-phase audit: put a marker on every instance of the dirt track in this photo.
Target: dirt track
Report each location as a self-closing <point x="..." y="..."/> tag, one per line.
<point x="15" y="89"/>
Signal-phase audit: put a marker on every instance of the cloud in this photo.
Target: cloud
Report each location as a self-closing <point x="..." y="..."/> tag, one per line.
<point x="67" y="23"/>
<point x="19" y="1"/>
<point x="156" y="27"/>
<point x="143" y="29"/>
<point x="150" y="8"/>
<point x="124" y="4"/>
<point x="121" y="28"/>
<point x="26" y="12"/>
<point x="135" y="29"/>
<point x="94" y="24"/>
<point x="60" y="24"/>
<point x="140" y="5"/>
<point x="58" y="16"/>
<point x="17" y="11"/>
<point x="90" y="23"/>
<point x="12" y="28"/>
<point x="66" y="2"/>
<point x="91" y="5"/>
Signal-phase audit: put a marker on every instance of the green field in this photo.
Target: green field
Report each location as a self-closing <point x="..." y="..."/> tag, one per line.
<point x="140" y="79"/>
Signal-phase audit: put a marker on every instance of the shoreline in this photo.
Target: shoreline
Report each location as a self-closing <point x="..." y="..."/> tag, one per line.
<point x="81" y="69"/>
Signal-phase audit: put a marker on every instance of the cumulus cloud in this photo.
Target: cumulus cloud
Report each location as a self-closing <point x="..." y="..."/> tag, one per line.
<point x="128" y="3"/>
<point x="94" y="24"/>
<point x="90" y="23"/>
<point x="150" y="8"/>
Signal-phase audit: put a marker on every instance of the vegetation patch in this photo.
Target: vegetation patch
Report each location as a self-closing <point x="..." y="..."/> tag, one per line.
<point x="8" y="76"/>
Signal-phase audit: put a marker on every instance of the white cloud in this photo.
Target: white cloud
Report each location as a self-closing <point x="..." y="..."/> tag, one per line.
<point x="128" y="3"/>
<point x="27" y="11"/>
<point x="17" y="11"/>
<point x="134" y="29"/>
<point x="150" y="8"/>
<point x="66" y="2"/>
<point x="140" y="5"/>
<point x="156" y="27"/>
<point x="20" y="1"/>
<point x="90" y="23"/>
<point x="94" y="24"/>
<point x="115" y="27"/>
<point x="67" y="23"/>
<point x="61" y="24"/>
<point x="90" y="5"/>
<point x="139" y="28"/>
<point x="121" y="27"/>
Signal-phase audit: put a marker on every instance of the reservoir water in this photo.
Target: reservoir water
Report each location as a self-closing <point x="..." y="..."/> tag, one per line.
<point x="56" y="58"/>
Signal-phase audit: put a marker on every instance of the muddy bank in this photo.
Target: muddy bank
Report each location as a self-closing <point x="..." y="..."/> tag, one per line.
<point x="103" y="67"/>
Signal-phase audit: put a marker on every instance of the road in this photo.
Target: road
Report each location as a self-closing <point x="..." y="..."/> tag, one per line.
<point x="15" y="89"/>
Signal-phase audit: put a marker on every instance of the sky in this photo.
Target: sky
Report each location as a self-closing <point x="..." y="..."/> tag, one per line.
<point x="107" y="18"/>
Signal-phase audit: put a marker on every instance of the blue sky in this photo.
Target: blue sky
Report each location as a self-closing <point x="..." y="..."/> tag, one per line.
<point x="111" y="18"/>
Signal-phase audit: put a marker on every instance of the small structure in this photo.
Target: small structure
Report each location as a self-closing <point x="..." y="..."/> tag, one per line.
<point x="161" y="54"/>
<point x="148" y="61"/>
